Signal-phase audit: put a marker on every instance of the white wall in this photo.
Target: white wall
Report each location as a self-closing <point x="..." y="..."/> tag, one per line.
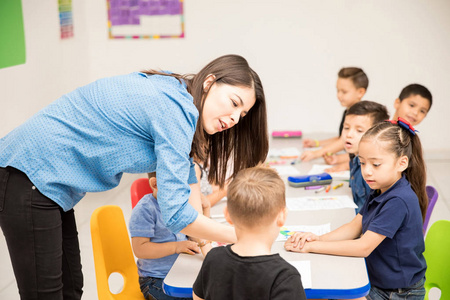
<point x="297" y="47"/>
<point x="52" y="67"/>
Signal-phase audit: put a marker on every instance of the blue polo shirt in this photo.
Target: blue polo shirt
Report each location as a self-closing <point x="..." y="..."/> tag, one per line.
<point x="146" y="221"/>
<point x="398" y="261"/>
<point x="85" y="140"/>
<point x="360" y="189"/>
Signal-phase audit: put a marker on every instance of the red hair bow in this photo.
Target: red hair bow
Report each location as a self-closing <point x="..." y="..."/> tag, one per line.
<point x="404" y="124"/>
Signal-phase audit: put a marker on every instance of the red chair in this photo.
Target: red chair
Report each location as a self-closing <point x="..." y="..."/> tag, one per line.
<point x="139" y="189"/>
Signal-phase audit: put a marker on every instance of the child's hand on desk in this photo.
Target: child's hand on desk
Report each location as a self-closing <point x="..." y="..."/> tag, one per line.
<point x="203" y="246"/>
<point x="330" y="158"/>
<point x="308" y="155"/>
<point x="298" y="241"/>
<point x="188" y="247"/>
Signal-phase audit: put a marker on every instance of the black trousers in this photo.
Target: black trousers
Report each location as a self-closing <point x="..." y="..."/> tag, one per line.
<point x="42" y="240"/>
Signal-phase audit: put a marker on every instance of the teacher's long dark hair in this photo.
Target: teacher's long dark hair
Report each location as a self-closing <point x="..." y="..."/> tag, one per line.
<point x="246" y="144"/>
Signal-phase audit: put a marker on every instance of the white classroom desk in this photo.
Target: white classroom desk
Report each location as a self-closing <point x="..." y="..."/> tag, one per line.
<point x="334" y="277"/>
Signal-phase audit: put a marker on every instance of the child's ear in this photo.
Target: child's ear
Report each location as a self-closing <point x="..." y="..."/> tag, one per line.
<point x="281" y="218"/>
<point x="397" y="103"/>
<point x="403" y="163"/>
<point x="208" y="82"/>
<point x="227" y="215"/>
<point x="152" y="182"/>
<point x="361" y="92"/>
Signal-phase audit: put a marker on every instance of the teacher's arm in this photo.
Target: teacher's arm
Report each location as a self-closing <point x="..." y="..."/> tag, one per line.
<point x="204" y="227"/>
<point x="172" y="129"/>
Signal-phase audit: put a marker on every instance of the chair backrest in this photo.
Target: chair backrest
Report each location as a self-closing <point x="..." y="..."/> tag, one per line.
<point x="432" y="198"/>
<point x="437" y="255"/>
<point x="113" y="254"/>
<point x="139" y="188"/>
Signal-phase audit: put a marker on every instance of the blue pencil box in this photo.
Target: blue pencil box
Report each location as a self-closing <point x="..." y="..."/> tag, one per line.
<point x="308" y="180"/>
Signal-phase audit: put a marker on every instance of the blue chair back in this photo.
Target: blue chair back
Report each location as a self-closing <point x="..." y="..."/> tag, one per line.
<point x="432" y="198"/>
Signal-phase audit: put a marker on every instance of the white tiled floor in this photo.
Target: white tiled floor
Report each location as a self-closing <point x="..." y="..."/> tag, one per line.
<point x="438" y="176"/>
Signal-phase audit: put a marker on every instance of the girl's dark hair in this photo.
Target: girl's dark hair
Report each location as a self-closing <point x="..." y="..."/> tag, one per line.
<point x="356" y="75"/>
<point x="402" y="142"/>
<point x="247" y="142"/>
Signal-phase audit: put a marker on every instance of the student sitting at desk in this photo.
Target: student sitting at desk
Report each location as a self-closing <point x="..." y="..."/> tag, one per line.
<point x="388" y="229"/>
<point x="358" y="119"/>
<point x="351" y="86"/>
<point x="247" y="269"/>
<point x="155" y="246"/>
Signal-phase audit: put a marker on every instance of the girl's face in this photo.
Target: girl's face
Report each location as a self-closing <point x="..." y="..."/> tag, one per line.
<point x="225" y="105"/>
<point x="347" y="92"/>
<point x="380" y="168"/>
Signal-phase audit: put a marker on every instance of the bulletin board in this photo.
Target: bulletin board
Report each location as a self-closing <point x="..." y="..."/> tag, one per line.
<point x="145" y="19"/>
<point x="12" y="36"/>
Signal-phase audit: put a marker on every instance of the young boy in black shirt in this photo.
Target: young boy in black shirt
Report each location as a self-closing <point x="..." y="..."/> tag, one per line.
<point x="247" y="269"/>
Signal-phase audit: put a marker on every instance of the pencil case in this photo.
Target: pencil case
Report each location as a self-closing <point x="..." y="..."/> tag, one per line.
<point x="287" y="134"/>
<point x="308" y="180"/>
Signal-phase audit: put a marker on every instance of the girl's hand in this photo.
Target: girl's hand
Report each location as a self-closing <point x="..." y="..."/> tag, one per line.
<point x="299" y="239"/>
<point x="289" y="246"/>
<point x="188" y="247"/>
<point x="330" y="159"/>
<point x="309" y="143"/>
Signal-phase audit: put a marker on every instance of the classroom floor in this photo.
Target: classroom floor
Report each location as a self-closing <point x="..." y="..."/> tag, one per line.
<point x="438" y="166"/>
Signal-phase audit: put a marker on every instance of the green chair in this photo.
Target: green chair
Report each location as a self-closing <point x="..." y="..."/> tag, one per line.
<point x="437" y="255"/>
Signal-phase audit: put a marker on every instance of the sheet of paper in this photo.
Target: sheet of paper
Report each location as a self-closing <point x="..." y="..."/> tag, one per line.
<point x="288" y="230"/>
<point x="284" y="170"/>
<point x="319" y="202"/>
<point x="318" y="169"/>
<point x="290" y="152"/>
<point x="304" y="268"/>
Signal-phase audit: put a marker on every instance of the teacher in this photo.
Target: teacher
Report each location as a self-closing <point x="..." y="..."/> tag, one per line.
<point x="137" y="123"/>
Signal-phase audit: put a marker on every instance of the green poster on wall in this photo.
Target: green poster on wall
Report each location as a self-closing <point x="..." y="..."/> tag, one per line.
<point x="12" y="36"/>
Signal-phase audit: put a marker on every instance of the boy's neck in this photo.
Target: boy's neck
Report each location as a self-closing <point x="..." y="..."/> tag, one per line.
<point x="254" y="242"/>
<point x="347" y="107"/>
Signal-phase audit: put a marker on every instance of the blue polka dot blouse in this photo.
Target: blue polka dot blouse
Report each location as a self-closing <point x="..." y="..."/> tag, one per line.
<point x="85" y="140"/>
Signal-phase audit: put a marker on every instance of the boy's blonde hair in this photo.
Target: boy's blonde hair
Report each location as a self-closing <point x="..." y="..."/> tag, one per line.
<point x="256" y="196"/>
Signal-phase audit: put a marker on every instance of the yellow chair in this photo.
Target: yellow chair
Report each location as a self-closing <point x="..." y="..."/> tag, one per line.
<point x="113" y="254"/>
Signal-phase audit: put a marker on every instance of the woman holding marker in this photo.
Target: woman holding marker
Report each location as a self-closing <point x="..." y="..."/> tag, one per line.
<point x="137" y="123"/>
